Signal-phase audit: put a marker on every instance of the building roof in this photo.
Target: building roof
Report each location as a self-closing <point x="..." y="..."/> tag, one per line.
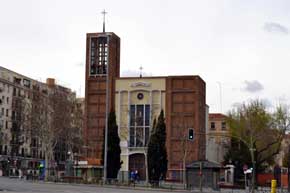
<point x="151" y="77"/>
<point x="217" y="116"/>
<point x="50" y="82"/>
<point x="205" y="164"/>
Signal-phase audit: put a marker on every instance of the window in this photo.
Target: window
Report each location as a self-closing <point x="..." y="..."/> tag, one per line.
<point x="2" y="88"/>
<point x="139" y="125"/>
<point x="6" y="125"/>
<point x="7" y="112"/>
<point x="2" y="111"/>
<point x="14" y="91"/>
<point x="7" y="100"/>
<point x="5" y="150"/>
<point x="13" y="115"/>
<point x="224" y="126"/>
<point x="34" y="142"/>
<point x="22" y="152"/>
<point x="98" y="56"/>
<point x="34" y="154"/>
<point x="17" y="80"/>
<point x="26" y="83"/>
<point x="212" y="125"/>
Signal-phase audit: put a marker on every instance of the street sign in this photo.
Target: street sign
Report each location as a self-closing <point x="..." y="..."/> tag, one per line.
<point x="248" y="171"/>
<point x="82" y="162"/>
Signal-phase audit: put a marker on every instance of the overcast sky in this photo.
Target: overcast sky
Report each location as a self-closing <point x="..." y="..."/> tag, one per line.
<point x="241" y="48"/>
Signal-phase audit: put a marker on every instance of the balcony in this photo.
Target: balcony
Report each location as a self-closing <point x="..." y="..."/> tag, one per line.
<point x="17" y="80"/>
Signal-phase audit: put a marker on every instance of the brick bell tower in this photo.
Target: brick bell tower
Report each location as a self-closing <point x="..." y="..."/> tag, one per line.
<point x="102" y="68"/>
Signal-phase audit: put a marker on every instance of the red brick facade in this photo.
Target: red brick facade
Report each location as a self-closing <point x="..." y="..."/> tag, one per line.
<point x="185" y="108"/>
<point x="95" y="94"/>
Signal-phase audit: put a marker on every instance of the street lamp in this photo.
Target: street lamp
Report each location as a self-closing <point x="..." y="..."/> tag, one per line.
<point x="107" y="112"/>
<point x="288" y="169"/>
<point x="75" y="159"/>
<point x="69" y="163"/>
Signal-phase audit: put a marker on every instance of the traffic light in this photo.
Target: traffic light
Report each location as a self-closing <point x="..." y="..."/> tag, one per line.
<point x="190" y="134"/>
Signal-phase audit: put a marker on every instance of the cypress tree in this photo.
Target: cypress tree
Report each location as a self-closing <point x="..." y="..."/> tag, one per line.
<point x="114" y="149"/>
<point x="157" y="154"/>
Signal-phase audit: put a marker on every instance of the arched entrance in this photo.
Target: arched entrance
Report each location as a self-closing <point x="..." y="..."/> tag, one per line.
<point x="137" y="162"/>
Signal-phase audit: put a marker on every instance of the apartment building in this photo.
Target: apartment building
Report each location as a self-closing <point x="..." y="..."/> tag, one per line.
<point x="21" y="143"/>
<point x="218" y="139"/>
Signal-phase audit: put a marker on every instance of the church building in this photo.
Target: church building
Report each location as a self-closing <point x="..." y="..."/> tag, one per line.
<point x="137" y="101"/>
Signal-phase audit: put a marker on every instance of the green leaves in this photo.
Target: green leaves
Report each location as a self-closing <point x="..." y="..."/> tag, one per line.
<point x="157" y="155"/>
<point x="114" y="149"/>
<point x="253" y="126"/>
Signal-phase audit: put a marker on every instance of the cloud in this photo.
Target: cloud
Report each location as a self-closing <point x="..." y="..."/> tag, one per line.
<point x="134" y="73"/>
<point x="253" y="86"/>
<point x="276" y="28"/>
<point x="265" y="101"/>
<point x="81" y="64"/>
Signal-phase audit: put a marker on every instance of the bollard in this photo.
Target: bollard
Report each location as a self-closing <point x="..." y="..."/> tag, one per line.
<point x="273" y="186"/>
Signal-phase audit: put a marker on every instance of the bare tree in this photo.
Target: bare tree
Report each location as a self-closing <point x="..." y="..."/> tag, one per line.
<point x="41" y="128"/>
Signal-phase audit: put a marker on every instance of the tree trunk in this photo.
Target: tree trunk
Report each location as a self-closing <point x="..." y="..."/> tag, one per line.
<point x="254" y="170"/>
<point x="46" y="167"/>
<point x="183" y="172"/>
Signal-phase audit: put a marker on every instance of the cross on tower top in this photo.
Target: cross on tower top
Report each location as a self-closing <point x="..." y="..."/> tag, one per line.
<point x="141" y="68"/>
<point x="104" y="20"/>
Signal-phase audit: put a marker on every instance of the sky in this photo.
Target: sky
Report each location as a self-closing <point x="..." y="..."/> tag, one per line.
<point x="240" y="48"/>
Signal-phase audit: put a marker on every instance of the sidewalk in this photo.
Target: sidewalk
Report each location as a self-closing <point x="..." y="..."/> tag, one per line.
<point x="136" y="186"/>
<point x="165" y="187"/>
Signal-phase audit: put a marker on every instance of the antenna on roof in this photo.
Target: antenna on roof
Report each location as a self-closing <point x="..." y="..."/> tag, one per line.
<point x="104" y="20"/>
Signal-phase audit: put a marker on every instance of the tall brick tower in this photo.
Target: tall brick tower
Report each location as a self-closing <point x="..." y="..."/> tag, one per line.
<point x="102" y="53"/>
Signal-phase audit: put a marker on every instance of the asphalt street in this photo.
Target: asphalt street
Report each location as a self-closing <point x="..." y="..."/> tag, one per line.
<point x="17" y="185"/>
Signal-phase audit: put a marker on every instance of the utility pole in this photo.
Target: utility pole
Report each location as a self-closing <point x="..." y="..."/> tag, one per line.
<point x="107" y="113"/>
<point x="200" y="176"/>
<point x="220" y="92"/>
<point x="288" y="169"/>
<point x="252" y="150"/>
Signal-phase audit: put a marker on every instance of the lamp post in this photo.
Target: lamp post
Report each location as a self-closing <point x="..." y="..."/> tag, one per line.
<point x="69" y="163"/>
<point x="288" y="169"/>
<point x="75" y="159"/>
<point x="107" y="112"/>
<point x="220" y="93"/>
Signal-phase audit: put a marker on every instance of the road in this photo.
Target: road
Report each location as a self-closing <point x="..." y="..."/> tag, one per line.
<point x="16" y="185"/>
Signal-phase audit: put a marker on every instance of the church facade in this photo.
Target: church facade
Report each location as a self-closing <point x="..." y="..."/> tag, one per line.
<point x="137" y="101"/>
